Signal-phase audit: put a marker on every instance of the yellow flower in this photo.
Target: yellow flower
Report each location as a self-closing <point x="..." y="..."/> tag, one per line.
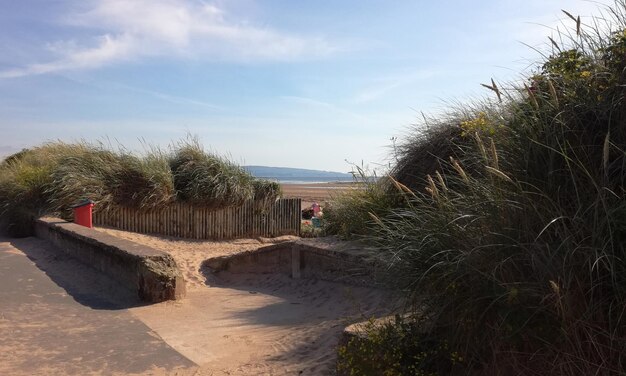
<point x="479" y="124"/>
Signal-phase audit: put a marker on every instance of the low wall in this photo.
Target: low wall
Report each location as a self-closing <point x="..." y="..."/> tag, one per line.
<point x="153" y="274"/>
<point x="324" y="259"/>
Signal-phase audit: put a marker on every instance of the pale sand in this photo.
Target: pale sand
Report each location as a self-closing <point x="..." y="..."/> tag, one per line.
<point x="261" y="325"/>
<point x="316" y="192"/>
<point x="252" y="324"/>
<point x="189" y="254"/>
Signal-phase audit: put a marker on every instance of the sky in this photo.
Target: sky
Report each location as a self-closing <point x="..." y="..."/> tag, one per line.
<point x="317" y="84"/>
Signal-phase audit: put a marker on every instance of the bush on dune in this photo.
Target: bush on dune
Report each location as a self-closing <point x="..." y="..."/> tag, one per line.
<point x="49" y="179"/>
<point x="80" y="176"/>
<point x="427" y="149"/>
<point x="266" y="191"/>
<point x="25" y="182"/>
<point x="512" y="248"/>
<point x="352" y="215"/>
<point x="206" y="179"/>
<point x="143" y="182"/>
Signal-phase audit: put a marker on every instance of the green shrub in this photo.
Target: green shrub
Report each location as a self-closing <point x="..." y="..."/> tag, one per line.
<point x="396" y="348"/>
<point x="25" y="179"/>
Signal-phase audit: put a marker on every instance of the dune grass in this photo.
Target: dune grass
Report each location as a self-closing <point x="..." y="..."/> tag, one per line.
<point x="50" y="178"/>
<point x="203" y="178"/>
<point x="509" y="242"/>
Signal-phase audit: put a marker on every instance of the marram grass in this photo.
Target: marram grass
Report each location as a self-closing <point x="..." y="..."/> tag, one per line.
<point x="510" y="243"/>
<point x="50" y="178"/>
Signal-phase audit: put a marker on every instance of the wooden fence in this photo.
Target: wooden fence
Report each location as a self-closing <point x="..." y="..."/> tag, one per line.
<point x="251" y="219"/>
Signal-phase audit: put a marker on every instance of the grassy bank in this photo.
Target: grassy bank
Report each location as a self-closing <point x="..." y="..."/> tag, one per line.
<point x="50" y="178"/>
<point x="505" y="223"/>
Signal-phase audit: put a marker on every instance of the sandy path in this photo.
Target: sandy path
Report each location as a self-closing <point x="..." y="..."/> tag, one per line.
<point x="261" y="324"/>
<point x="59" y="317"/>
<point x="252" y="324"/>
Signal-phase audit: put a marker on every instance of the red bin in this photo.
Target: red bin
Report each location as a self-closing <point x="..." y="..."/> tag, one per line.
<point x="83" y="213"/>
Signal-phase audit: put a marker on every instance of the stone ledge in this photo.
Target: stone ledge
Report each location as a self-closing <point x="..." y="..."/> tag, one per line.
<point x="324" y="259"/>
<point x="153" y="274"/>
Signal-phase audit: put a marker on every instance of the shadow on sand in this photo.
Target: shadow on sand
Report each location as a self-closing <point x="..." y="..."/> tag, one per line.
<point x="314" y="311"/>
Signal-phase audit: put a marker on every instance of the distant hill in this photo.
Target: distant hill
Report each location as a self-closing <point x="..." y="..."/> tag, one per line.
<point x="281" y="173"/>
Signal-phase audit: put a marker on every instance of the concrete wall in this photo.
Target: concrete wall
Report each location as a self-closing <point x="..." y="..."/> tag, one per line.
<point x="153" y="274"/>
<point x="308" y="258"/>
<point x="271" y="259"/>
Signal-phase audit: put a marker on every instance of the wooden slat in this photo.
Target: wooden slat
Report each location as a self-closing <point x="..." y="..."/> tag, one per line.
<point x="249" y="219"/>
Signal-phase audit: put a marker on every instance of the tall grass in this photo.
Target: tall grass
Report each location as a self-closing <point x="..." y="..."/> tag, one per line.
<point x="511" y="244"/>
<point x="143" y="182"/>
<point x="203" y="178"/>
<point x="350" y="215"/>
<point x="50" y="178"/>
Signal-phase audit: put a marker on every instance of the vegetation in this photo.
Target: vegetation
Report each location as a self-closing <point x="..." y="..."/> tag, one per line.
<point x="50" y="178"/>
<point x="388" y="347"/>
<point x="351" y="214"/>
<point x="509" y="237"/>
<point x="203" y="178"/>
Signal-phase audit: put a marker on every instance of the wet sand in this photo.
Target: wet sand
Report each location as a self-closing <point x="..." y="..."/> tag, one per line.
<point x="316" y="192"/>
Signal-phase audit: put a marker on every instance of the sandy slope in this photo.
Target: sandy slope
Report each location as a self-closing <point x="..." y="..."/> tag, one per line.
<point x="252" y="324"/>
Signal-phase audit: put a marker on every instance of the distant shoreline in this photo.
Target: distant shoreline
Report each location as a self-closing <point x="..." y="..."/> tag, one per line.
<point x="304" y="182"/>
<point x="307" y="180"/>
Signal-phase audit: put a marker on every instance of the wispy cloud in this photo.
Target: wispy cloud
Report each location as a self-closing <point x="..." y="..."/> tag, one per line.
<point x="325" y="105"/>
<point x="109" y="49"/>
<point x="385" y="85"/>
<point x="184" y="29"/>
<point x="170" y="98"/>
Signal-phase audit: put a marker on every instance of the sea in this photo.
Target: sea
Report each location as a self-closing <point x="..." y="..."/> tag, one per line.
<point x="308" y="179"/>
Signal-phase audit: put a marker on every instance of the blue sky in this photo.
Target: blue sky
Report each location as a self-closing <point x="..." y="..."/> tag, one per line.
<point x="278" y="83"/>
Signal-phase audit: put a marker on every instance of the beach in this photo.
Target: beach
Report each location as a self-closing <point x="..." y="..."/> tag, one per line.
<point x="316" y="192"/>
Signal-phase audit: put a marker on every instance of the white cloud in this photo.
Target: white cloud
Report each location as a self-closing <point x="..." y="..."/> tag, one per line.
<point x="139" y="29"/>
<point x="108" y="49"/>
